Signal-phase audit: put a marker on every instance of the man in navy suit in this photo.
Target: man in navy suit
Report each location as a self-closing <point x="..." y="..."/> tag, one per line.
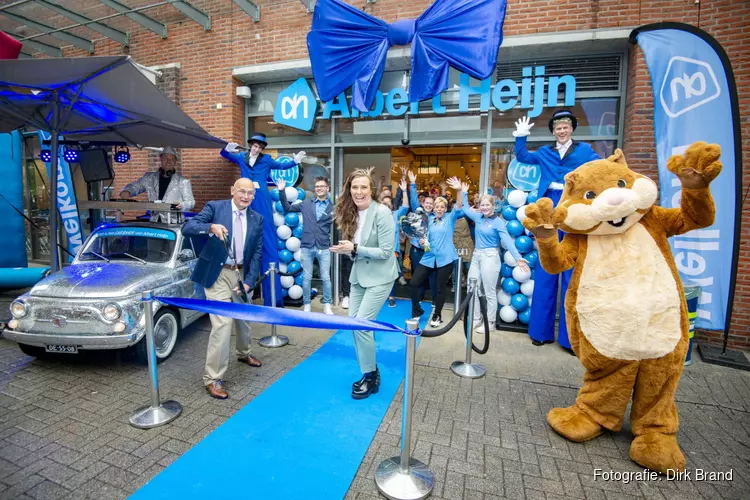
<point x="235" y="244"/>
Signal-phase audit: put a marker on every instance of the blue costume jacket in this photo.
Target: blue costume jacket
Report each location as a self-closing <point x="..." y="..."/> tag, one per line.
<point x="263" y="204"/>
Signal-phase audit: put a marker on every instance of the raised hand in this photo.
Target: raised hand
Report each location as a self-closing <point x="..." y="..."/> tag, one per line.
<point x="299" y="157"/>
<point x="281" y="184"/>
<point x="403" y="185"/>
<point x="454" y="183"/>
<point x="698" y="167"/>
<point x="523" y="127"/>
<point x="465" y="187"/>
<point x="542" y="218"/>
<point x="412" y="177"/>
<point x="232" y="147"/>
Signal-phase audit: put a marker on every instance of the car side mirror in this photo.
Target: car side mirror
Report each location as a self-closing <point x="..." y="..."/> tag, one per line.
<point x="186" y="255"/>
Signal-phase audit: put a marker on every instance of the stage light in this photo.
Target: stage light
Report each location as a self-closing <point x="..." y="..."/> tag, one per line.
<point x="122" y="155"/>
<point x="45" y="155"/>
<point x="71" y="155"/>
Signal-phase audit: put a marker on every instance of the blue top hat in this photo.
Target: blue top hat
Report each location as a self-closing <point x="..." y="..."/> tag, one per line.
<point x="259" y="138"/>
<point x="563" y="113"/>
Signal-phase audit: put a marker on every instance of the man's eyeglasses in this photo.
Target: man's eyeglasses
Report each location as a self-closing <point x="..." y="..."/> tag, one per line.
<point x="245" y="192"/>
<point x="321" y="186"/>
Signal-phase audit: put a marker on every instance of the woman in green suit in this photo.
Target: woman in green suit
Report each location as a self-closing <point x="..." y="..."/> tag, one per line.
<point x="367" y="229"/>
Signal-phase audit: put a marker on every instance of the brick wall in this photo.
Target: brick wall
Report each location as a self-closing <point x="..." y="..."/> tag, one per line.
<point x="207" y="57"/>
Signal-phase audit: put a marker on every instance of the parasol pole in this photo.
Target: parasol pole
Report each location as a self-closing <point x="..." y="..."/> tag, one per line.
<point x="54" y="254"/>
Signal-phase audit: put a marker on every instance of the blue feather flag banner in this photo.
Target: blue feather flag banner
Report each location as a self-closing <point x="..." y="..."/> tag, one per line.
<point x="348" y="47"/>
<point x="280" y="316"/>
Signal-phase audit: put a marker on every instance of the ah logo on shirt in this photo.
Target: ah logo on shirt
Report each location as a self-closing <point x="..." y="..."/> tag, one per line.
<point x="296" y="106"/>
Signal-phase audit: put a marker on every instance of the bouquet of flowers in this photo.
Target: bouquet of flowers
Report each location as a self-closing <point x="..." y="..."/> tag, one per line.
<point x="414" y="225"/>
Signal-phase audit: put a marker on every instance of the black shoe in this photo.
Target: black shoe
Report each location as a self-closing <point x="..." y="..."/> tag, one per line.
<point x="436" y="321"/>
<point x="391" y="302"/>
<point x="370" y="385"/>
<point x="359" y="382"/>
<point x="417" y="313"/>
<point x="569" y="351"/>
<point x="542" y="342"/>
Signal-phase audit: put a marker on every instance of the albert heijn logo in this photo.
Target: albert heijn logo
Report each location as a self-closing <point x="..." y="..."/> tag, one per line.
<point x="688" y="84"/>
<point x="296" y="106"/>
<point x="524" y="176"/>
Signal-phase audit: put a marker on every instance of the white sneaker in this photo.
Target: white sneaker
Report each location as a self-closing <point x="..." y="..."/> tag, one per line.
<point x="307" y="308"/>
<point x="480" y="329"/>
<point x="327" y="309"/>
<point x="345" y="303"/>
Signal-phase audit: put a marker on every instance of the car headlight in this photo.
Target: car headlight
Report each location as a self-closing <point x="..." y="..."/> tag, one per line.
<point x="19" y="309"/>
<point x="111" y="312"/>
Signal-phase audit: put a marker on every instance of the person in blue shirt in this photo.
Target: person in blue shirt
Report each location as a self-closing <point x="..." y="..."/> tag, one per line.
<point x="555" y="160"/>
<point x="256" y="166"/>
<point x="489" y="231"/>
<point x="397" y="214"/>
<point x="439" y="258"/>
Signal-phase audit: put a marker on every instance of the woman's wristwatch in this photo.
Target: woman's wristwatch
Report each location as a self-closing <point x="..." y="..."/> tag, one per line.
<point x="354" y="251"/>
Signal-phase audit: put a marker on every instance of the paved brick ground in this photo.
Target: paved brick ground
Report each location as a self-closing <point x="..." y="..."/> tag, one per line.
<point x="64" y="430"/>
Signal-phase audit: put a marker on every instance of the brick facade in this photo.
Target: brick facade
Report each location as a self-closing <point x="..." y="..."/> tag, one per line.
<point x="206" y="59"/>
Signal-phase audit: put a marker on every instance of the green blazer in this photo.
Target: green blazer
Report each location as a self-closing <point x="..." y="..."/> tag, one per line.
<point x="375" y="263"/>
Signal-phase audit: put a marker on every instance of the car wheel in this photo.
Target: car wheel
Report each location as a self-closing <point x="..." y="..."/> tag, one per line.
<point x="166" y="329"/>
<point x="32" y="350"/>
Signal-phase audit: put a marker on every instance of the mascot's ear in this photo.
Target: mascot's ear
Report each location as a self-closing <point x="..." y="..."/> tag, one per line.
<point x="570" y="180"/>
<point x="618" y="157"/>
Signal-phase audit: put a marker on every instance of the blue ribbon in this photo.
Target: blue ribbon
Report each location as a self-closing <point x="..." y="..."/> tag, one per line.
<point x="279" y="316"/>
<point x="348" y="47"/>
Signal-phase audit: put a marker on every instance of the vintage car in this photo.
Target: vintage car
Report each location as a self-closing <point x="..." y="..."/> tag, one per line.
<point x="95" y="303"/>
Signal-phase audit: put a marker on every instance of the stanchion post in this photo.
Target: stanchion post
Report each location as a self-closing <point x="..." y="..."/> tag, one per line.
<point x="273" y="340"/>
<point x="157" y="413"/>
<point x="404" y="477"/>
<point x="466" y="368"/>
<point x="457" y="284"/>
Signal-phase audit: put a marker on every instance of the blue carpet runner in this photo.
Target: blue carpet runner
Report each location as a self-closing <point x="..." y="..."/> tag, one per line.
<point x="302" y="438"/>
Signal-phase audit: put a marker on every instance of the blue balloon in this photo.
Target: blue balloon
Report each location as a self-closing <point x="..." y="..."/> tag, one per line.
<point x="299" y="280"/>
<point x="284" y="292"/>
<point x="297" y="231"/>
<point x="291" y="219"/>
<point x="275" y="194"/>
<point x="293" y="266"/>
<point x="510" y="286"/>
<point x="524" y="316"/>
<point x="506" y="271"/>
<point x="524" y="244"/>
<point x="515" y="228"/>
<point x="532" y="197"/>
<point x="279" y="207"/>
<point x="286" y="257"/>
<point x="509" y="213"/>
<point x="532" y="258"/>
<point x="519" y="302"/>
<point x="301" y="194"/>
<point x="280" y="244"/>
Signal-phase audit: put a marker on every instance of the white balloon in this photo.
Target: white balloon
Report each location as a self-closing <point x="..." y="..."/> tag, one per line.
<point x="508" y="314"/>
<point x="517" y="198"/>
<point x="521" y="213"/>
<point x="282" y="267"/>
<point x="295" y="292"/>
<point x="298" y="255"/>
<point x="278" y="219"/>
<point x="287" y="281"/>
<point x="507" y="258"/>
<point x="520" y="275"/>
<point x="291" y="194"/>
<point x="283" y="232"/>
<point x="503" y="298"/>
<point x="528" y="289"/>
<point x="292" y="244"/>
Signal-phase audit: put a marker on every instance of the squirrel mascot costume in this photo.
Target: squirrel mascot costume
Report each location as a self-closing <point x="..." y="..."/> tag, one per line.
<point x="626" y="310"/>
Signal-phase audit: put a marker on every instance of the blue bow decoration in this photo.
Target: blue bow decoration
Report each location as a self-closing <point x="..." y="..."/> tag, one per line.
<point x="348" y="47"/>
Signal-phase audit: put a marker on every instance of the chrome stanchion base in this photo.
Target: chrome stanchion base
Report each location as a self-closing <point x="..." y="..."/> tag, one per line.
<point x="394" y="484"/>
<point x="468" y="370"/>
<point x="149" y="416"/>
<point x="274" y="341"/>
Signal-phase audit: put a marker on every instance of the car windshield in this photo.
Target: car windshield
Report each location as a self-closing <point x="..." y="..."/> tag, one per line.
<point x="138" y="244"/>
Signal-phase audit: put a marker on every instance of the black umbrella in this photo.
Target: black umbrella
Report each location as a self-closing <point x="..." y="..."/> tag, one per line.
<point x="92" y="99"/>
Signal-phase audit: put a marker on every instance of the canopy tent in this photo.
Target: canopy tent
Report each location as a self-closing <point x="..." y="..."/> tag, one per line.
<point x="92" y="99"/>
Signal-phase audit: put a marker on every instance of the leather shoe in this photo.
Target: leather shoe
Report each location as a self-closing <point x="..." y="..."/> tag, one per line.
<point x="361" y="381"/>
<point x="542" y="342"/>
<point x="251" y="361"/>
<point x="370" y="385"/>
<point x="216" y="390"/>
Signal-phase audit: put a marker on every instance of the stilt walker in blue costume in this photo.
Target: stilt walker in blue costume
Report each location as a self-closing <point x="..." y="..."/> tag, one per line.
<point x="554" y="160"/>
<point x="256" y="166"/>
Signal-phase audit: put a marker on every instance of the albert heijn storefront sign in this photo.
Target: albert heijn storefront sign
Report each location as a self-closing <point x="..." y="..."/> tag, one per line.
<point x="296" y="105"/>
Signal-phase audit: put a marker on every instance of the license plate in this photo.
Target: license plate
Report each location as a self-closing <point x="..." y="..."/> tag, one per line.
<point x="70" y="349"/>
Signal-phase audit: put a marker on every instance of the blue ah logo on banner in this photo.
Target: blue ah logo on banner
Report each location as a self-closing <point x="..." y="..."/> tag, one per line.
<point x="296" y="106"/>
<point x="524" y="176"/>
<point x="688" y="83"/>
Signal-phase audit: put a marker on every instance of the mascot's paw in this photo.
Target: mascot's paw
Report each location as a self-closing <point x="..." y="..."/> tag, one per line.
<point x="659" y="452"/>
<point x="698" y="167"/>
<point x="574" y="424"/>
<point x="542" y="218"/>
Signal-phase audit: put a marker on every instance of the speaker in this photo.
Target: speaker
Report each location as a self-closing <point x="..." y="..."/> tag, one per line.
<point x="95" y="165"/>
